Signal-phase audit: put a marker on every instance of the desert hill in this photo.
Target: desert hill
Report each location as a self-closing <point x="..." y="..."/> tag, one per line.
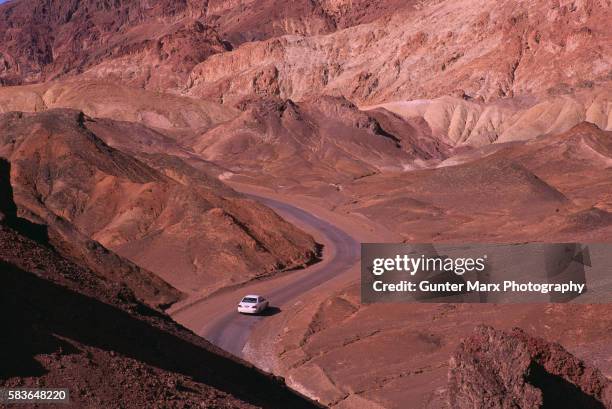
<point x="178" y="221"/>
<point x="173" y="115"/>
<point x="48" y="229"/>
<point x="327" y="139"/>
<point x="469" y="123"/>
<point x="425" y="131"/>
<point x="71" y="327"/>
<point x="518" y="191"/>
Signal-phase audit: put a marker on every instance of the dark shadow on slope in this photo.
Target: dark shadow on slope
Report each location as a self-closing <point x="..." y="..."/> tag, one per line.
<point x="558" y="393"/>
<point x="35" y="310"/>
<point x="34" y="231"/>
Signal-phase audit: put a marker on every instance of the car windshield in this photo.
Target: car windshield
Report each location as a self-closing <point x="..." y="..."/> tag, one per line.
<point x="250" y="300"/>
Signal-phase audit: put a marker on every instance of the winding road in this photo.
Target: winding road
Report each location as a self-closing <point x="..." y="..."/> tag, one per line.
<point x="215" y="318"/>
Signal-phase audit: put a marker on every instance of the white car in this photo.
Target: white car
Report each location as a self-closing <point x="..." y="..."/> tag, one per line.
<point x="252" y="304"/>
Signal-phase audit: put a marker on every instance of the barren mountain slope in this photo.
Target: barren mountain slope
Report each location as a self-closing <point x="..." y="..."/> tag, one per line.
<point x="77" y="247"/>
<point x="453" y="121"/>
<point x="153" y="44"/>
<point x="71" y="328"/>
<point x="541" y="47"/>
<point x="410" y="51"/>
<point x="242" y="21"/>
<point x="178" y="223"/>
<point x="439" y="120"/>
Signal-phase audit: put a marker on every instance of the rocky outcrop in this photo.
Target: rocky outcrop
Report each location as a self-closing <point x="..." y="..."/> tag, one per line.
<point x="493" y="369"/>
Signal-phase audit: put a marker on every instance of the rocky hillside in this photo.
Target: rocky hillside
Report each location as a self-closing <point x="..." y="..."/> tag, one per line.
<point x="77" y="247"/>
<point x="153" y="44"/>
<point x="72" y="328"/>
<point x="366" y="51"/>
<point x="527" y="49"/>
<point x="327" y="139"/>
<point x="164" y="215"/>
<point x="49" y="39"/>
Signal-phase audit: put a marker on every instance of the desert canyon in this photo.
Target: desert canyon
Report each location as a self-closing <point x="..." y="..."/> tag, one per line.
<point x="161" y="158"/>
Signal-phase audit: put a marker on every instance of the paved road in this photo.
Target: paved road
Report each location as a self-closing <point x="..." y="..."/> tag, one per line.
<point x="230" y="330"/>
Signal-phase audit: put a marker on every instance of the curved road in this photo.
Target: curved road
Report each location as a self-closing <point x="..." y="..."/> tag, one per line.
<point x="230" y="330"/>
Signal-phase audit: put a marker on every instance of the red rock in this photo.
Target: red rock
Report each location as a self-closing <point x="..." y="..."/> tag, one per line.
<point x="493" y="369"/>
